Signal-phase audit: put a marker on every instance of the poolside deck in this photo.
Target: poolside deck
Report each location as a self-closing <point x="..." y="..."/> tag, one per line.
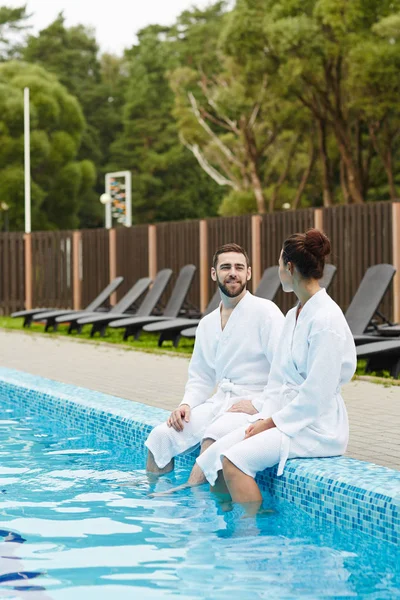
<point x="158" y="380"/>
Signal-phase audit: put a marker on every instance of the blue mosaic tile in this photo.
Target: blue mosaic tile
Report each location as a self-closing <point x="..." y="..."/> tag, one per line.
<point x="341" y="490"/>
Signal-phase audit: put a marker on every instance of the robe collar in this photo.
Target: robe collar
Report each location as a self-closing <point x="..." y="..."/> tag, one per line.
<point x="238" y="308"/>
<point x="311" y="303"/>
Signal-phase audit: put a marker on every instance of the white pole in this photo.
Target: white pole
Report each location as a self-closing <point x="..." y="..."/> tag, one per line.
<point x="108" y="215"/>
<point x="128" y="199"/>
<point x="27" y="149"/>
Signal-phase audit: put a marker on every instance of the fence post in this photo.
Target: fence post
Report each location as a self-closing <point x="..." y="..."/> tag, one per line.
<point x="256" y="250"/>
<point x="204" y="265"/>
<point x="152" y="252"/>
<point x="319" y="219"/>
<point x="396" y="259"/>
<point x="76" y="269"/>
<point x="112" y="236"/>
<point x="28" y="270"/>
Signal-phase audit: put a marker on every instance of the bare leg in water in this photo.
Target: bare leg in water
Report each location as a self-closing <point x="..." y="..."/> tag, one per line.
<point x="153" y="471"/>
<point x="220" y="486"/>
<point x="196" y="476"/>
<point x="151" y="465"/>
<point x="242" y="487"/>
<point x="221" y="490"/>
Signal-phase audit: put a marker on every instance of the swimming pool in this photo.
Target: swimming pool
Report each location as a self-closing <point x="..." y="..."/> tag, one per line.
<point x="72" y="527"/>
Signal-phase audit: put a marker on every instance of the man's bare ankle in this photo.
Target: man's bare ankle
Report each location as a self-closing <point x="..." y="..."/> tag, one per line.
<point x="158" y="471"/>
<point x="154" y="469"/>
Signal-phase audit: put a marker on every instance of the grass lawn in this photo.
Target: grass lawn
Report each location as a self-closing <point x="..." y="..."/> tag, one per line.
<point x="146" y="343"/>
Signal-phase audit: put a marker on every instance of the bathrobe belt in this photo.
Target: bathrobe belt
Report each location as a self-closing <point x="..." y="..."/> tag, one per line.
<point x="227" y="387"/>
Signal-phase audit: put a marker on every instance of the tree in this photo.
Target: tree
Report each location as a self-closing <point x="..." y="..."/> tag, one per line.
<point x="57" y="123"/>
<point x="234" y="122"/>
<point x="167" y="182"/>
<point x="98" y="84"/>
<point x="12" y="24"/>
<point x="375" y="87"/>
<point x="314" y="44"/>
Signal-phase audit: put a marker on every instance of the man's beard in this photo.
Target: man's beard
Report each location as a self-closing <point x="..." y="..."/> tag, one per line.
<point x="228" y="293"/>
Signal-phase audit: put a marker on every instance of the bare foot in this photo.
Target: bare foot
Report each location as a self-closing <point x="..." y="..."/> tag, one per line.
<point x="148" y="478"/>
<point x="226" y="506"/>
<point x="265" y="512"/>
<point x="170" y="491"/>
<point x="262" y="512"/>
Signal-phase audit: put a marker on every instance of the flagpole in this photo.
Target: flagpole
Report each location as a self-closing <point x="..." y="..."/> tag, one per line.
<point x="27" y="153"/>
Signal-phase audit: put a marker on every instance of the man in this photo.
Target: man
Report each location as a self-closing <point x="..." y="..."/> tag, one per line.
<point x="233" y="353"/>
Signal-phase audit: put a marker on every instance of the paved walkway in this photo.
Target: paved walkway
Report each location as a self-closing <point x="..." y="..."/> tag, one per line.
<point x="158" y="380"/>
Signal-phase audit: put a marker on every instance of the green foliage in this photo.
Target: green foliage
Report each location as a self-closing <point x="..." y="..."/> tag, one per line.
<point x="12" y="191"/>
<point x="238" y="203"/>
<point x="167" y="182"/>
<point x="12" y="24"/>
<point x="70" y="53"/>
<point x="97" y="84"/>
<point x="235" y="108"/>
<point x="56" y="127"/>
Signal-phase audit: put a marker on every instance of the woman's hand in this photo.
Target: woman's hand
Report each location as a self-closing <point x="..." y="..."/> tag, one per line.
<point x="259" y="427"/>
<point x="244" y="406"/>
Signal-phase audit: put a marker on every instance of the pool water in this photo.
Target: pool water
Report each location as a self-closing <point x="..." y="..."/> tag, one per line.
<point x="77" y="523"/>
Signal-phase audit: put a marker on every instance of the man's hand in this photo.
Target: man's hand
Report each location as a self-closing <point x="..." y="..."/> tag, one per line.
<point x="179" y="416"/>
<point x="259" y="427"/>
<point x="244" y="406"/>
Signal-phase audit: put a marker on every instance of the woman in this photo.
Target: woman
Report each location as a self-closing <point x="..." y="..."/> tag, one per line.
<point x="303" y="414"/>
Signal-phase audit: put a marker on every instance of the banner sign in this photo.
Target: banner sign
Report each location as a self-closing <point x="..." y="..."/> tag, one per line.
<point x="119" y="210"/>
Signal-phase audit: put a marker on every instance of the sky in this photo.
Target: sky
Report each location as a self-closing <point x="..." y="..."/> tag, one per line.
<point x="115" y="21"/>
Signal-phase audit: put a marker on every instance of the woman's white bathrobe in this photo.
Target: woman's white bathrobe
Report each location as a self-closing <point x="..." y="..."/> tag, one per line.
<point x="235" y="362"/>
<point x="315" y="357"/>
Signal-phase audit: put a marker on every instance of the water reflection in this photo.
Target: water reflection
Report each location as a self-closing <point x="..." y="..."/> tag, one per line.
<point x="81" y="518"/>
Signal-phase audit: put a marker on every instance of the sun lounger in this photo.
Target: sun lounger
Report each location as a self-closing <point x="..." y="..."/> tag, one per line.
<point x="328" y="276"/>
<point x="53" y="319"/>
<point x="170" y="330"/>
<point x="150" y="302"/>
<point x="133" y="326"/>
<point x="365" y="303"/>
<point x="381" y="355"/>
<point x="94" y="306"/>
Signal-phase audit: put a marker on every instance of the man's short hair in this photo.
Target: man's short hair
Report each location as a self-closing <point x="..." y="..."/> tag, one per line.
<point x="231" y="247"/>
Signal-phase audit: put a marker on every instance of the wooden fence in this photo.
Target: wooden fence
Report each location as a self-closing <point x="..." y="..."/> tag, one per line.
<point x="67" y="269"/>
<point x="12" y="272"/>
<point x="359" y="238"/>
<point x="52" y="268"/>
<point x="93" y="267"/>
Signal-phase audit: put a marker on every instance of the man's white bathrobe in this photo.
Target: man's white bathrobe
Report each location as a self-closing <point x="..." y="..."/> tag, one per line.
<point x="315" y="357"/>
<point x="234" y="363"/>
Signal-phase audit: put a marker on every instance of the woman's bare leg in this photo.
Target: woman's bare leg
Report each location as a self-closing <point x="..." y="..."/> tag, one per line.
<point x="220" y="486"/>
<point x="242" y="487"/>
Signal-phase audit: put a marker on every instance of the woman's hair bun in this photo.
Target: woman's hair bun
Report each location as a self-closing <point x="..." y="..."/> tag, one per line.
<point x="317" y="243"/>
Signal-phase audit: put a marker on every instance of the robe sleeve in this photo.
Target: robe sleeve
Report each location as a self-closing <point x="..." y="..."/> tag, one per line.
<point x="270" y="335"/>
<point x="201" y="377"/>
<point x="324" y="364"/>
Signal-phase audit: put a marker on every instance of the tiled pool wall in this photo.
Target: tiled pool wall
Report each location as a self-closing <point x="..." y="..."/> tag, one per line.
<point x="347" y="492"/>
